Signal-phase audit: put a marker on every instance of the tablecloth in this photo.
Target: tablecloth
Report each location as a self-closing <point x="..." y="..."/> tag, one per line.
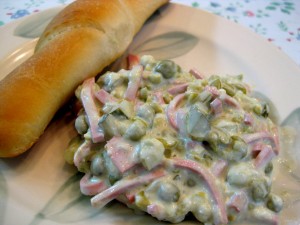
<point x="278" y="21"/>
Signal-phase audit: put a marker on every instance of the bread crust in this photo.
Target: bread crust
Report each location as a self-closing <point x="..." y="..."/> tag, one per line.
<point x="80" y="42"/>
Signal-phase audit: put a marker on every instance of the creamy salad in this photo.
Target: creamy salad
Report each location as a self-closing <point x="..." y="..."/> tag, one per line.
<point x="169" y="142"/>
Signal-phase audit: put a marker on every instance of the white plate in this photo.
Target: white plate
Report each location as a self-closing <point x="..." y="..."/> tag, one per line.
<point x="39" y="188"/>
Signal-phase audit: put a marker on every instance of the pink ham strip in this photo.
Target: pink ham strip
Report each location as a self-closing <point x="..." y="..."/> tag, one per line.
<point x="210" y="180"/>
<point x="171" y="110"/>
<point x="230" y="100"/>
<point x="276" y="140"/>
<point x="158" y="96"/>
<point x="264" y="156"/>
<point x="104" y="97"/>
<point x="177" y="89"/>
<point x="89" y="187"/>
<point x="82" y="152"/>
<point x="213" y="90"/>
<point x="219" y="167"/>
<point x="263" y="135"/>
<point x="216" y="106"/>
<point x="248" y="119"/>
<point x="135" y="77"/>
<point x="238" y="201"/>
<point x="124" y="185"/>
<point x="256" y="148"/>
<point x="88" y="101"/>
<point x="196" y="73"/>
<point x="121" y="153"/>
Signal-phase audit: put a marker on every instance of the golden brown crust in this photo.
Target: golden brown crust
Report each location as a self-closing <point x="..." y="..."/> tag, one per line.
<point x="83" y="39"/>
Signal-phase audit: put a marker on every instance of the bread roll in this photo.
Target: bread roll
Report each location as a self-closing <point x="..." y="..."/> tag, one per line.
<point x="82" y="39"/>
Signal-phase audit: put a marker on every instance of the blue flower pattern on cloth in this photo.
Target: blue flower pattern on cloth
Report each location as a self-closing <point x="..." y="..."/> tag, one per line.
<point x="20" y="13"/>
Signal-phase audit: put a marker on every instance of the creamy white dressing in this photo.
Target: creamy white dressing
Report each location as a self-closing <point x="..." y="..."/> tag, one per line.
<point x="177" y="143"/>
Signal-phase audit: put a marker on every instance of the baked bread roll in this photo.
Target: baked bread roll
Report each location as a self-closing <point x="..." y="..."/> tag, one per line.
<point x="82" y="39"/>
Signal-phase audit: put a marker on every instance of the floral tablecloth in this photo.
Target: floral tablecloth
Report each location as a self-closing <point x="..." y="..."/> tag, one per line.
<point x="276" y="20"/>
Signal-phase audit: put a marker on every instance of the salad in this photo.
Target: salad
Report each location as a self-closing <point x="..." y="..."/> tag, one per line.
<point x="170" y="142"/>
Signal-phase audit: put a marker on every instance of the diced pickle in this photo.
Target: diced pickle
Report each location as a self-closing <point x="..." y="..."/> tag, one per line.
<point x="230" y="90"/>
<point x="237" y="150"/>
<point x="197" y="122"/>
<point x="205" y="96"/>
<point x="127" y="108"/>
<point x="156" y="107"/>
<point x="262" y="109"/>
<point x="141" y="200"/>
<point x="215" y="81"/>
<point x="151" y="152"/>
<point x="192" y="97"/>
<point x="146" y="112"/>
<point x="168" y="142"/>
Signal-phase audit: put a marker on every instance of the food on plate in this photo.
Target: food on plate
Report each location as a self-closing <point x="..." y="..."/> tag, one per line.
<point x="169" y="142"/>
<point x="84" y="38"/>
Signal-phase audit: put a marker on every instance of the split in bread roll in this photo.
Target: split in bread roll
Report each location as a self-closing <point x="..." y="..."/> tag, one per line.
<point x="79" y="42"/>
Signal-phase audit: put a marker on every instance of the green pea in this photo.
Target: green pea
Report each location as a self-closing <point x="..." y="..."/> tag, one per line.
<point x="72" y="148"/>
<point x="241" y="175"/>
<point x="136" y="130"/>
<point x="167" y="68"/>
<point x="269" y="168"/>
<point x="155" y="78"/>
<point x="259" y="189"/>
<point x="97" y="164"/>
<point x="190" y="182"/>
<point x="168" y="192"/>
<point x="240" y="148"/>
<point x="143" y="94"/>
<point x="203" y="209"/>
<point x="81" y="124"/>
<point x="274" y="203"/>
